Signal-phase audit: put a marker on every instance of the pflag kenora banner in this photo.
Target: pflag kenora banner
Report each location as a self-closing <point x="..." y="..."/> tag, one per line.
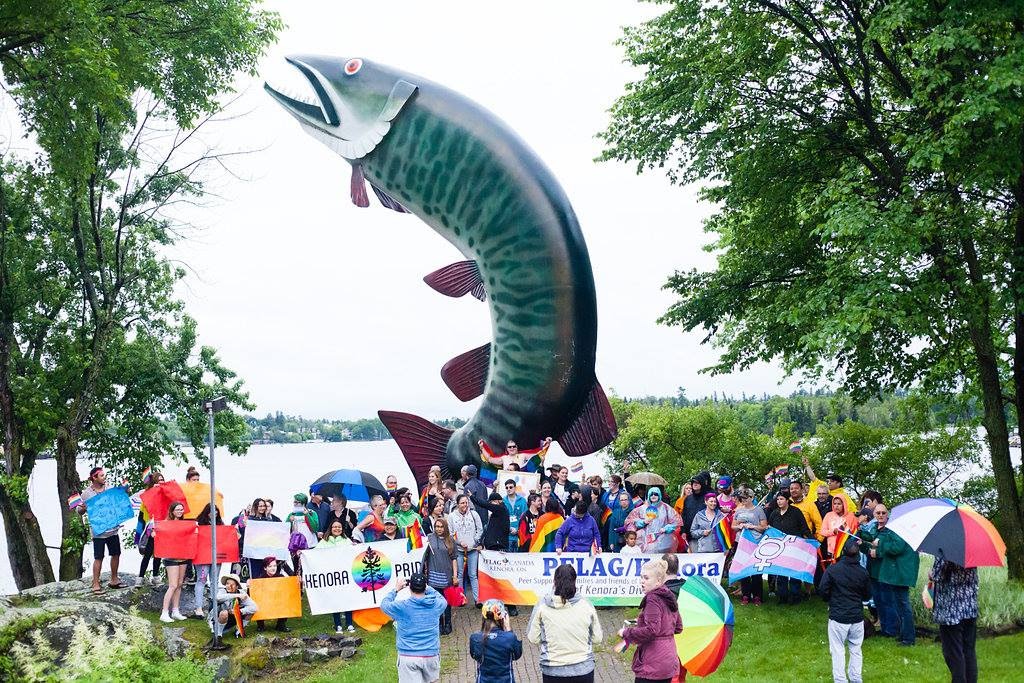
<point x="352" y="577"/>
<point x="605" y="579"/>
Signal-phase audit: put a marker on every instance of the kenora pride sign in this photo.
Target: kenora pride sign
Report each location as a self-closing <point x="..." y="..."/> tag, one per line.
<point x="340" y="578"/>
<point x="605" y="579"/>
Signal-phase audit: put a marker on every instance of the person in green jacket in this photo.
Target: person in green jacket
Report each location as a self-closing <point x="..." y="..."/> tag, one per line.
<point x="888" y="622"/>
<point x="404" y="513"/>
<point x="897" y="572"/>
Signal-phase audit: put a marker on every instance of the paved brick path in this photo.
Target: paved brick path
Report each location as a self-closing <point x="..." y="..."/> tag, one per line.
<point x="610" y="667"/>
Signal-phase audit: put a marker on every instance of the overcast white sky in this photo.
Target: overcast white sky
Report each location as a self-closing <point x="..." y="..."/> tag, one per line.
<point x="320" y="305"/>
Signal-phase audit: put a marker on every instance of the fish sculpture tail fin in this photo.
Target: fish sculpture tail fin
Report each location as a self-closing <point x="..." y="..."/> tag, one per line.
<point x="422" y="442"/>
<point x="594" y="426"/>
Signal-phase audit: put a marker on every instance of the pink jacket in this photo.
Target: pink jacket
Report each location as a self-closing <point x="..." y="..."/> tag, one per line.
<point x="654" y="635"/>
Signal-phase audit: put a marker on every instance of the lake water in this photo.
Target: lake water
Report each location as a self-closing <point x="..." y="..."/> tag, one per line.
<point x="266" y="471"/>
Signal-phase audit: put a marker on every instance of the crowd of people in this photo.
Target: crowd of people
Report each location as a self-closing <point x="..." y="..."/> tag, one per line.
<point x="457" y="519"/>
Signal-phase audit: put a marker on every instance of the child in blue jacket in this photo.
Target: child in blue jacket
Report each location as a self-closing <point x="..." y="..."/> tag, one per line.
<point x="495" y="646"/>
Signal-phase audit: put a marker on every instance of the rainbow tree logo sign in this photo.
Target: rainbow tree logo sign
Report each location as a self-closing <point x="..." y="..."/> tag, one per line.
<point x="371" y="571"/>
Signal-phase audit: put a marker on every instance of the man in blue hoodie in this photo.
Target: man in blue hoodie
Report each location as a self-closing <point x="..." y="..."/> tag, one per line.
<point x="416" y="633"/>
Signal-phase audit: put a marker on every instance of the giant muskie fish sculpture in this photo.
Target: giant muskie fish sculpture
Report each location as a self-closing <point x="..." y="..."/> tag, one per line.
<point x="427" y="150"/>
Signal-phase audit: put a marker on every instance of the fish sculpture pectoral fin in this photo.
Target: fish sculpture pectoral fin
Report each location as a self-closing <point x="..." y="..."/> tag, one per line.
<point x="466" y="374"/>
<point x="457" y="280"/>
<point x="594" y="426"/>
<point x="387" y="201"/>
<point x="422" y="442"/>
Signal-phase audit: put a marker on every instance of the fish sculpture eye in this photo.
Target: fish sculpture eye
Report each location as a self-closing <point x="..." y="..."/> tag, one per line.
<point x="352" y="66"/>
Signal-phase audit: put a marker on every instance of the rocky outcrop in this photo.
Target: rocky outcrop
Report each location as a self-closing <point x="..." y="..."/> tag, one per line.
<point x="55" y="609"/>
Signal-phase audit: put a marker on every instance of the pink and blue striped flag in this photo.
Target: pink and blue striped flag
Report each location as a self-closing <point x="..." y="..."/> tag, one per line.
<point x="776" y="553"/>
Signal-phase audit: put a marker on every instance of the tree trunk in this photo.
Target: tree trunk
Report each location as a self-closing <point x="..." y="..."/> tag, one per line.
<point x="69" y="482"/>
<point x="1010" y="521"/>
<point x="25" y="546"/>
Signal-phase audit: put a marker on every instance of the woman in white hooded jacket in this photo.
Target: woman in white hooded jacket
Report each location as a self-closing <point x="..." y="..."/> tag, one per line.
<point x="565" y="625"/>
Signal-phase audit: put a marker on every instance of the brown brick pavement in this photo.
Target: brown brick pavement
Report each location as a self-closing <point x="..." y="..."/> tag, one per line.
<point x="459" y="667"/>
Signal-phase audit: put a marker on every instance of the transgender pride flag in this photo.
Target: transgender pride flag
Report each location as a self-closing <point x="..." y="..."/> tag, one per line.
<point x="776" y="553"/>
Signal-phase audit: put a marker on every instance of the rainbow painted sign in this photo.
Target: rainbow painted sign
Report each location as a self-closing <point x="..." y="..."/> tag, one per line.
<point x="339" y="578"/>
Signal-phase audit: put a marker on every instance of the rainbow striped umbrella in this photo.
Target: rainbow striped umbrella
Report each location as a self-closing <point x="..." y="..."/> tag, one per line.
<point x="939" y="526"/>
<point x="707" y="625"/>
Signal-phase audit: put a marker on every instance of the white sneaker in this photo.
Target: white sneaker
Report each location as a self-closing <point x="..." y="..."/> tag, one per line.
<point x="351" y="628"/>
<point x="154" y="581"/>
<point x="338" y="629"/>
<point x="166" y="618"/>
<point x="179" y="616"/>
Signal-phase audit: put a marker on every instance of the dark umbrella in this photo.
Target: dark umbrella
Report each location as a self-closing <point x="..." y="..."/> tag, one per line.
<point x="355" y="485"/>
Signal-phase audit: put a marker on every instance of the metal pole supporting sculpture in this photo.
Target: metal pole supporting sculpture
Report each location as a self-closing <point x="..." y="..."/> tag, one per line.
<point x="427" y="150"/>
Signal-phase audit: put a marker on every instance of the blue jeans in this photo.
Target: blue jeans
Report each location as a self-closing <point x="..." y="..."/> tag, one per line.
<point x="888" y="623"/>
<point x="901" y="600"/>
<point x="467" y="561"/>
<point x="337" y="619"/>
<point x="788" y="590"/>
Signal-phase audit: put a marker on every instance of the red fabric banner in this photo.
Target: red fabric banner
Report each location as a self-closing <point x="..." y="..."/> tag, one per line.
<point x="227" y="545"/>
<point x="175" y="540"/>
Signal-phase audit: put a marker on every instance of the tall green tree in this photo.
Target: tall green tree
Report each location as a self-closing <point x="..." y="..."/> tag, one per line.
<point x="866" y="160"/>
<point x="94" y="347"/>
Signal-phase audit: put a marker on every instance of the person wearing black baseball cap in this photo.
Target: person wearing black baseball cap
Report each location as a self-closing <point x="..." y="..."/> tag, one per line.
<point x="417" y="636"/>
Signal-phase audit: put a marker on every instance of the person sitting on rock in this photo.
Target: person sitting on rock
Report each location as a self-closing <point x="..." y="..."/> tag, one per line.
<point x="230" y="595"/>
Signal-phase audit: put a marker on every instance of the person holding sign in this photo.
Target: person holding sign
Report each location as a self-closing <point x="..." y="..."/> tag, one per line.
<point x="175" y="573"/>
<point x="336" y="536"/>
<point x="205" y="518"/>
<point x="273" y="568"/>
<point x="107" y="541"/>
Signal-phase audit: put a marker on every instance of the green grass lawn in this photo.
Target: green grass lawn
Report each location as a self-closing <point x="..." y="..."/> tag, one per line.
<point x="783" y="643"/>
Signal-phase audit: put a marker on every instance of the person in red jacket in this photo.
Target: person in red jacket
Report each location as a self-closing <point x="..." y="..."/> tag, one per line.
<point x="655" y="659"/>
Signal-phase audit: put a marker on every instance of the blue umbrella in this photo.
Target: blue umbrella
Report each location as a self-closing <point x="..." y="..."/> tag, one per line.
<point x="355" y="485"/>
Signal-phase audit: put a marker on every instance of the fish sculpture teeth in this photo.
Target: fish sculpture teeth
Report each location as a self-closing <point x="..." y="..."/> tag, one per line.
<point x="426" y="150"/>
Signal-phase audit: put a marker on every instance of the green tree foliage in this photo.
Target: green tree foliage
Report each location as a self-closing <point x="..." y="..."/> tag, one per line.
<point x="94" y="347"/>
<point x="866" y="160"/>
<point x="680" y="442"/>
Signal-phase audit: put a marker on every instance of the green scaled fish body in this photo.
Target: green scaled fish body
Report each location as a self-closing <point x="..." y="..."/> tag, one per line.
<point x="427" y="150"/>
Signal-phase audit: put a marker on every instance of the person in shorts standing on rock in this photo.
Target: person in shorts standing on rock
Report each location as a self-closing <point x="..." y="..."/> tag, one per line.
<point x="108" y="541"/>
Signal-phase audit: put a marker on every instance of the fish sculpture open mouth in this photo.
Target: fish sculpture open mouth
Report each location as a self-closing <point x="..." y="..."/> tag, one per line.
<point x="427" y="150"/>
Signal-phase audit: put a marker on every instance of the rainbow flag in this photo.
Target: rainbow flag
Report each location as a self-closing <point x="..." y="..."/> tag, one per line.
<point x="74" y="501"/>
<point x="414" y="534"/>
<point x="524" y="534"/>
<point x="795" y="447"/>
<point x="145" y="474"/>
<point x="781" y="470"/>
<point x="842" y="538"/>
<point x="576" y="466"/>
<point x="928" y="596"/>
<point x="606" y="514"/>
<point x="488" y="473"/>
<point x="725" y="535"/>
<point x="544" y="537"/>
<point x="237" y="611"/>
